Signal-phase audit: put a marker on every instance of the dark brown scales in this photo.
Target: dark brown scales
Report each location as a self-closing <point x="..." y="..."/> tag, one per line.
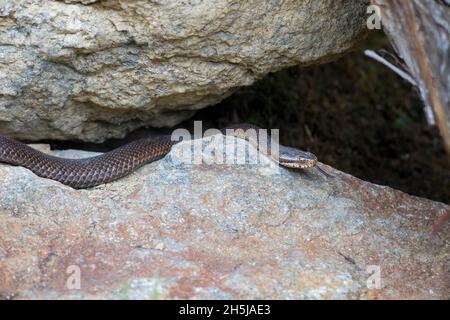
<point x="89" y="172"/>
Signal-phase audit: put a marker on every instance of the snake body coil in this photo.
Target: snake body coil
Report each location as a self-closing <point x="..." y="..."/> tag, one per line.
<point x="110" y="166"/>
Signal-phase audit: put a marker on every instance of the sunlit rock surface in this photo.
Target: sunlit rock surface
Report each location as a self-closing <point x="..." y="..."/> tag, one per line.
<point x="216" y="231"/>
<point x="93" y="70"/>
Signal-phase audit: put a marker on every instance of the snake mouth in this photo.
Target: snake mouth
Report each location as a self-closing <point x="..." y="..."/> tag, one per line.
<point x="298" y="164"/>
<point x="297" y="159"/>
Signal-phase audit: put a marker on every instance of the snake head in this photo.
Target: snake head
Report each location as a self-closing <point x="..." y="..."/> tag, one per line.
<point x="295" y="158"/>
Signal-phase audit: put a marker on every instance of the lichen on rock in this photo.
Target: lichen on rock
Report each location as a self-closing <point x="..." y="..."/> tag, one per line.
<point x="217" y="231"/>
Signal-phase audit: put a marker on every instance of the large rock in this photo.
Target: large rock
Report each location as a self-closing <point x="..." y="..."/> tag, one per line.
<point x="93" y="70"/>
<point x="175" y="230"/>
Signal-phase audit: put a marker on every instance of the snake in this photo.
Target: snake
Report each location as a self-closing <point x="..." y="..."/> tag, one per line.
<point x="110" y="166"/>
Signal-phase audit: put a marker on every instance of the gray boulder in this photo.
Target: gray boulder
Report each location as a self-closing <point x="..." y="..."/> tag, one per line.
<point x="93" y="70"/>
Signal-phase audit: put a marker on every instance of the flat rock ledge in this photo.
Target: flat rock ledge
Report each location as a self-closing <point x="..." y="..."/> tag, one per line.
<point x="174" y="230"/>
